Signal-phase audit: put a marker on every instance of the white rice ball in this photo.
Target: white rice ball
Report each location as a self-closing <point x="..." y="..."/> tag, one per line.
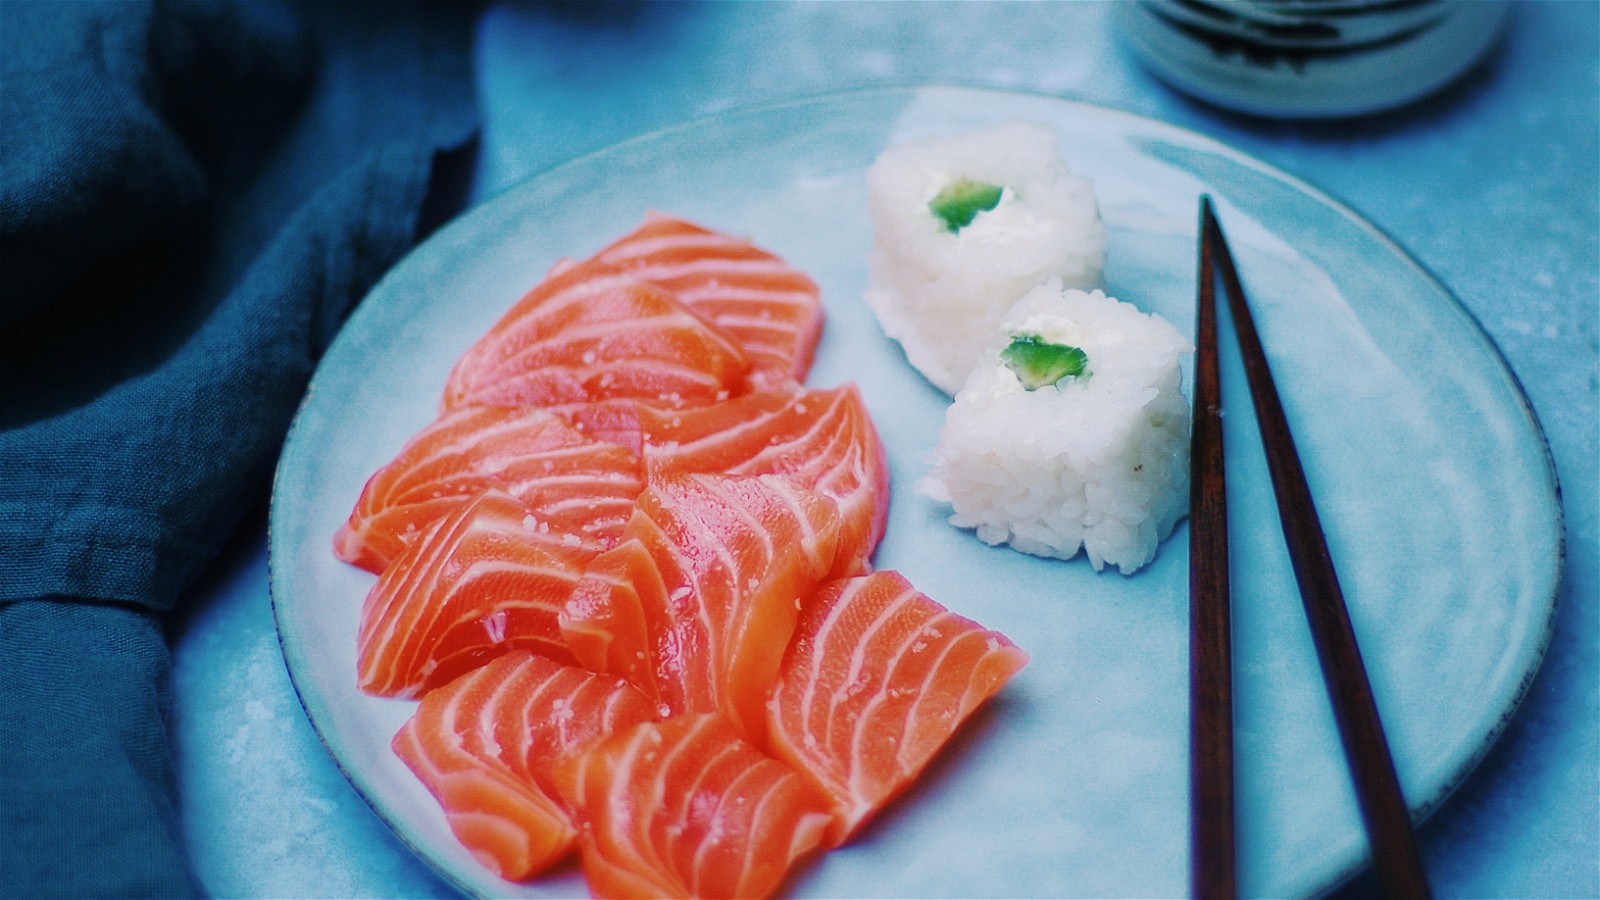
<point x="1098" y="462"/>
<point x="942" y="294"/>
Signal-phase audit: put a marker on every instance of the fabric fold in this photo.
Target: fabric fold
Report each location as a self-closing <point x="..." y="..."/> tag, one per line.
<point x="142" y="403"/>
<point x="84" y="706"/>
<point x="193" y="196"/>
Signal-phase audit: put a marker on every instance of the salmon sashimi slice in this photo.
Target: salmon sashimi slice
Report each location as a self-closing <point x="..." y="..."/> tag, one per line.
<point x="514" y="830"/>
<point x="571" y="483"/>
<point x="877" y="679"/>
<point x="685" y="808"/>
<point x="543" y="712"/>
<point x="486" y="745"/>
<point x="824" y="438"/>
<point x="594" y="332"/>
<point x="482" y="580"/>
<point x="604" y="619"/>
<point x="772" y="309"/>
<point x="711" y="573"/>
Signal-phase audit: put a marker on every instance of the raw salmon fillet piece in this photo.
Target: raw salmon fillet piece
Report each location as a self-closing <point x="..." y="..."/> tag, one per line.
<point x="684" y="808"/>
<point x="512" y="829"/>
<point x="486" y="745"/>
<point x="710" y="575"/>
<point x="571" y="483"/>
<point x="877" y="679"/>
<point x="772" y="309"/>
<point x="823" y="438"/>
<point x="483" y="580"/>
<point x="594" y="332"/>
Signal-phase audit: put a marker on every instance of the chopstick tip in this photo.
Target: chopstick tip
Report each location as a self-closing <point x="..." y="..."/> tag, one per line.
<point x="1208" y="213"/>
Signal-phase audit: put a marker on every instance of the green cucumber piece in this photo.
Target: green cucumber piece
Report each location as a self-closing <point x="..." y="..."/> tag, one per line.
<point x="1039" y="363"/>
<point x="961" y="201"/>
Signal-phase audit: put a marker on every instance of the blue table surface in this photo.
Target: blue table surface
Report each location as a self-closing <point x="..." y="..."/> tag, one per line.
<point x="1491" y="184"/>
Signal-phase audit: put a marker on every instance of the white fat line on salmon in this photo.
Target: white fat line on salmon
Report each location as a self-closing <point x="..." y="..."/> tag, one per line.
<point x="706" y="268"/>
<point x="639" y="249"/>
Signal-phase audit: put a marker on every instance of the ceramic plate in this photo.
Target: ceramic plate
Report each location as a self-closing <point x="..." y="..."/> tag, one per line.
<point x="1436" y="489"/>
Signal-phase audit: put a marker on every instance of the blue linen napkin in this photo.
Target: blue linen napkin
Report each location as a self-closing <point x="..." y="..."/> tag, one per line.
<point x="192" y="197"/>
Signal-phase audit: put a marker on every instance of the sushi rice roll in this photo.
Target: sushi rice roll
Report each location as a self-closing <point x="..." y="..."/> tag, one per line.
<point x="963" y="226"/>
<point x="1073" y="437"/>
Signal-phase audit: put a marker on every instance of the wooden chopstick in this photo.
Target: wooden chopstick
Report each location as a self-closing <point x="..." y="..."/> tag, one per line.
<point x="1383" y="807"/>
<point x="1212" y="867"/>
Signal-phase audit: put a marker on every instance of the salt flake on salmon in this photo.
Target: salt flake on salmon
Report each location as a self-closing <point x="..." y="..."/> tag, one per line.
<point x="486" y="744"/>
<point x="483" y="580"/>
<point x="571" y="483"/>
<point x="595" y="332"/>
<point x="685" y="808"/>
<point x="877" y="679"/>
<point x="771" y="308"/>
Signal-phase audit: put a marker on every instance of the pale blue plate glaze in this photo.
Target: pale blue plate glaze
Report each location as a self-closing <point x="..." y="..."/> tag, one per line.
<point x="1436" y="489"/>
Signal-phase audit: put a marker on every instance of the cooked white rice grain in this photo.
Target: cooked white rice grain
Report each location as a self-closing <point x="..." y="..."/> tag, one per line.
<point x="943" y="294"/>
<point x="1097" y="463"/>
